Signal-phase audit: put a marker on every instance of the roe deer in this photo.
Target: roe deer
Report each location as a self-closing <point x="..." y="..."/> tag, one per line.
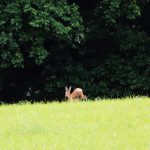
<point x="76" y="94"/>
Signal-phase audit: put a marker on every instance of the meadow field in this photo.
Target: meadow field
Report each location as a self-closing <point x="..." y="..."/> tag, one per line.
<point x="118" y="124"/>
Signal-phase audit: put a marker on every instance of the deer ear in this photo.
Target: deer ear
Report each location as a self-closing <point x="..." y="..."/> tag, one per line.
<point x="66" y="88"/>
<point x="70" y="88"/>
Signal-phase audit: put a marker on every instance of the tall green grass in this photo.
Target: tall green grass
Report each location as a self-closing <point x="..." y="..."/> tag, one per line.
<point x="93" y="125"/>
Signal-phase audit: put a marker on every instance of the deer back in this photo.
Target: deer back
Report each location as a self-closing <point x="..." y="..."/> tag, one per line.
<point x="77" y="93"/>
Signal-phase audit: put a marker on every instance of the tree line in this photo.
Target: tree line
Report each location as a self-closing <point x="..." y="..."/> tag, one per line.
<point x="101" y="46"/>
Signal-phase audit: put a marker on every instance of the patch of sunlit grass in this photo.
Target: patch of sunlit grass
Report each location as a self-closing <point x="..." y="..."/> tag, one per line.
<point x="116" y="124"/>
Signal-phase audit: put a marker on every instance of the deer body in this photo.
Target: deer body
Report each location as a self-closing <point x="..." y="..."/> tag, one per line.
<point x="76" y="94"/>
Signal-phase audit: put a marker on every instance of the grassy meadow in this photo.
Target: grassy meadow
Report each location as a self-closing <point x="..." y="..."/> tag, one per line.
<point x="119" y="124"/>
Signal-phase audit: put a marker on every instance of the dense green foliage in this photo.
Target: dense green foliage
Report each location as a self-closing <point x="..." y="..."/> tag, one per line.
<point x="103" y="47"/>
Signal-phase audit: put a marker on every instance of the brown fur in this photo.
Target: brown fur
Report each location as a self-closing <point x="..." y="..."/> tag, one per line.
<point x="75" y="95"/>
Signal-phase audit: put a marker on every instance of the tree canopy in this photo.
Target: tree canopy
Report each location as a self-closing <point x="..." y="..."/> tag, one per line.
<point x="100" y="46"/>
